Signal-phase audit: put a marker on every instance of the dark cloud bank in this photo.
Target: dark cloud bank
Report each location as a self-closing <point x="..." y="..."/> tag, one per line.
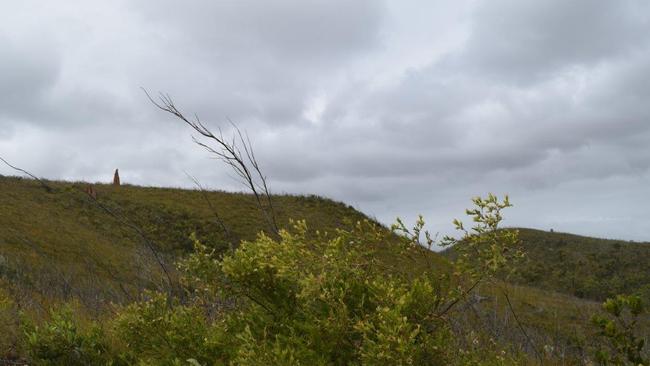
<point x="395" y="107"/>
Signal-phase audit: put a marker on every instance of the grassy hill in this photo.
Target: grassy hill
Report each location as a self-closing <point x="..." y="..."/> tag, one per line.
<point x="556" y="289"/>
<point x="63" y="245"/>
<point x="584" y="267"/>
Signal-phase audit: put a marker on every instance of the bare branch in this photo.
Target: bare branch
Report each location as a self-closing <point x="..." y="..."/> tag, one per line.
<point x="45" y="185"/>
<point x="217" y="217"/>
<point x="150" y="245"/>
<point x="238" y="154"/>
<point x="459" y="297"/>
<point x="521" y="328"/>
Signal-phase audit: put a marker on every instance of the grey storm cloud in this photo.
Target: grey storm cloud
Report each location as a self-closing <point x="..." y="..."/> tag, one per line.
<point x="395" y="107"/>
<point x="28" y="72"/>
<point x="528" y="41"/>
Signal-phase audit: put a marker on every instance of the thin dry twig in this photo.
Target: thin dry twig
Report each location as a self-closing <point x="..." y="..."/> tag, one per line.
<point x="521" y="327"/>
<point x="244" y="164"/>
<point x="460" y="297"/>
<point x="150" y="245"/>
<point x="214" y="211"/>
<point x="39" y="180"/>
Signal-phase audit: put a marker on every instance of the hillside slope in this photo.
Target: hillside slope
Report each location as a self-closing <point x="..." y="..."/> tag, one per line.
<point x="585" y="267"/>
<point x="63" y="245"/>
<point x="557" y="288"/>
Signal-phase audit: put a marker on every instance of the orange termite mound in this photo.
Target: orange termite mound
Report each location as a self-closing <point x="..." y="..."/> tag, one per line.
<point x="116" y="178"/>
<point x="90" y="190"/>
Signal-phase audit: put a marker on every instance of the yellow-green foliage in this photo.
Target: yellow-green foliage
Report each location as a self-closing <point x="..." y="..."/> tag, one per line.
<point x="159" y="330"/>
<point x="64" y="341"/>
<point x="301" y="299"/>
<point x="623" y="345"/>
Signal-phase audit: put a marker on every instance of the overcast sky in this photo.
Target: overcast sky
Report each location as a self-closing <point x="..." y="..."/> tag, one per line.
<point x="395" y="107"/>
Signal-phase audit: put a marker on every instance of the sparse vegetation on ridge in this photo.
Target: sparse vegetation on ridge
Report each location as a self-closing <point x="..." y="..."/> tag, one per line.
<point x="584" y="267"/>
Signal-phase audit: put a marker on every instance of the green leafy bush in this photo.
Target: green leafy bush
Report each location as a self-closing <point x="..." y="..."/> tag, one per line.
<point x="9" y="324"/>
<point x="621" y="346"/>
<point x="61" y="341"/>
<point x="314" y="299"/>
<point x="162" y="332"/>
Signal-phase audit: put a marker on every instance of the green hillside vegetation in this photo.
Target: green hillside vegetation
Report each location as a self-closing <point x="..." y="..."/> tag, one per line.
<point x="79" y="284"/>
<point x="562" y="280"/>
<point x="63" y="245"/>
<point x="585" y="267"/>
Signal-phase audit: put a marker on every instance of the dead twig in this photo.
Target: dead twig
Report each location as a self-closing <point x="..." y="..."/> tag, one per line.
<point x="243" y="163"/>
<point x="39" y="180"/>
<point x="214" y="211"/>
<point x="521" y="327"/>
<point x="148" y="243"/>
